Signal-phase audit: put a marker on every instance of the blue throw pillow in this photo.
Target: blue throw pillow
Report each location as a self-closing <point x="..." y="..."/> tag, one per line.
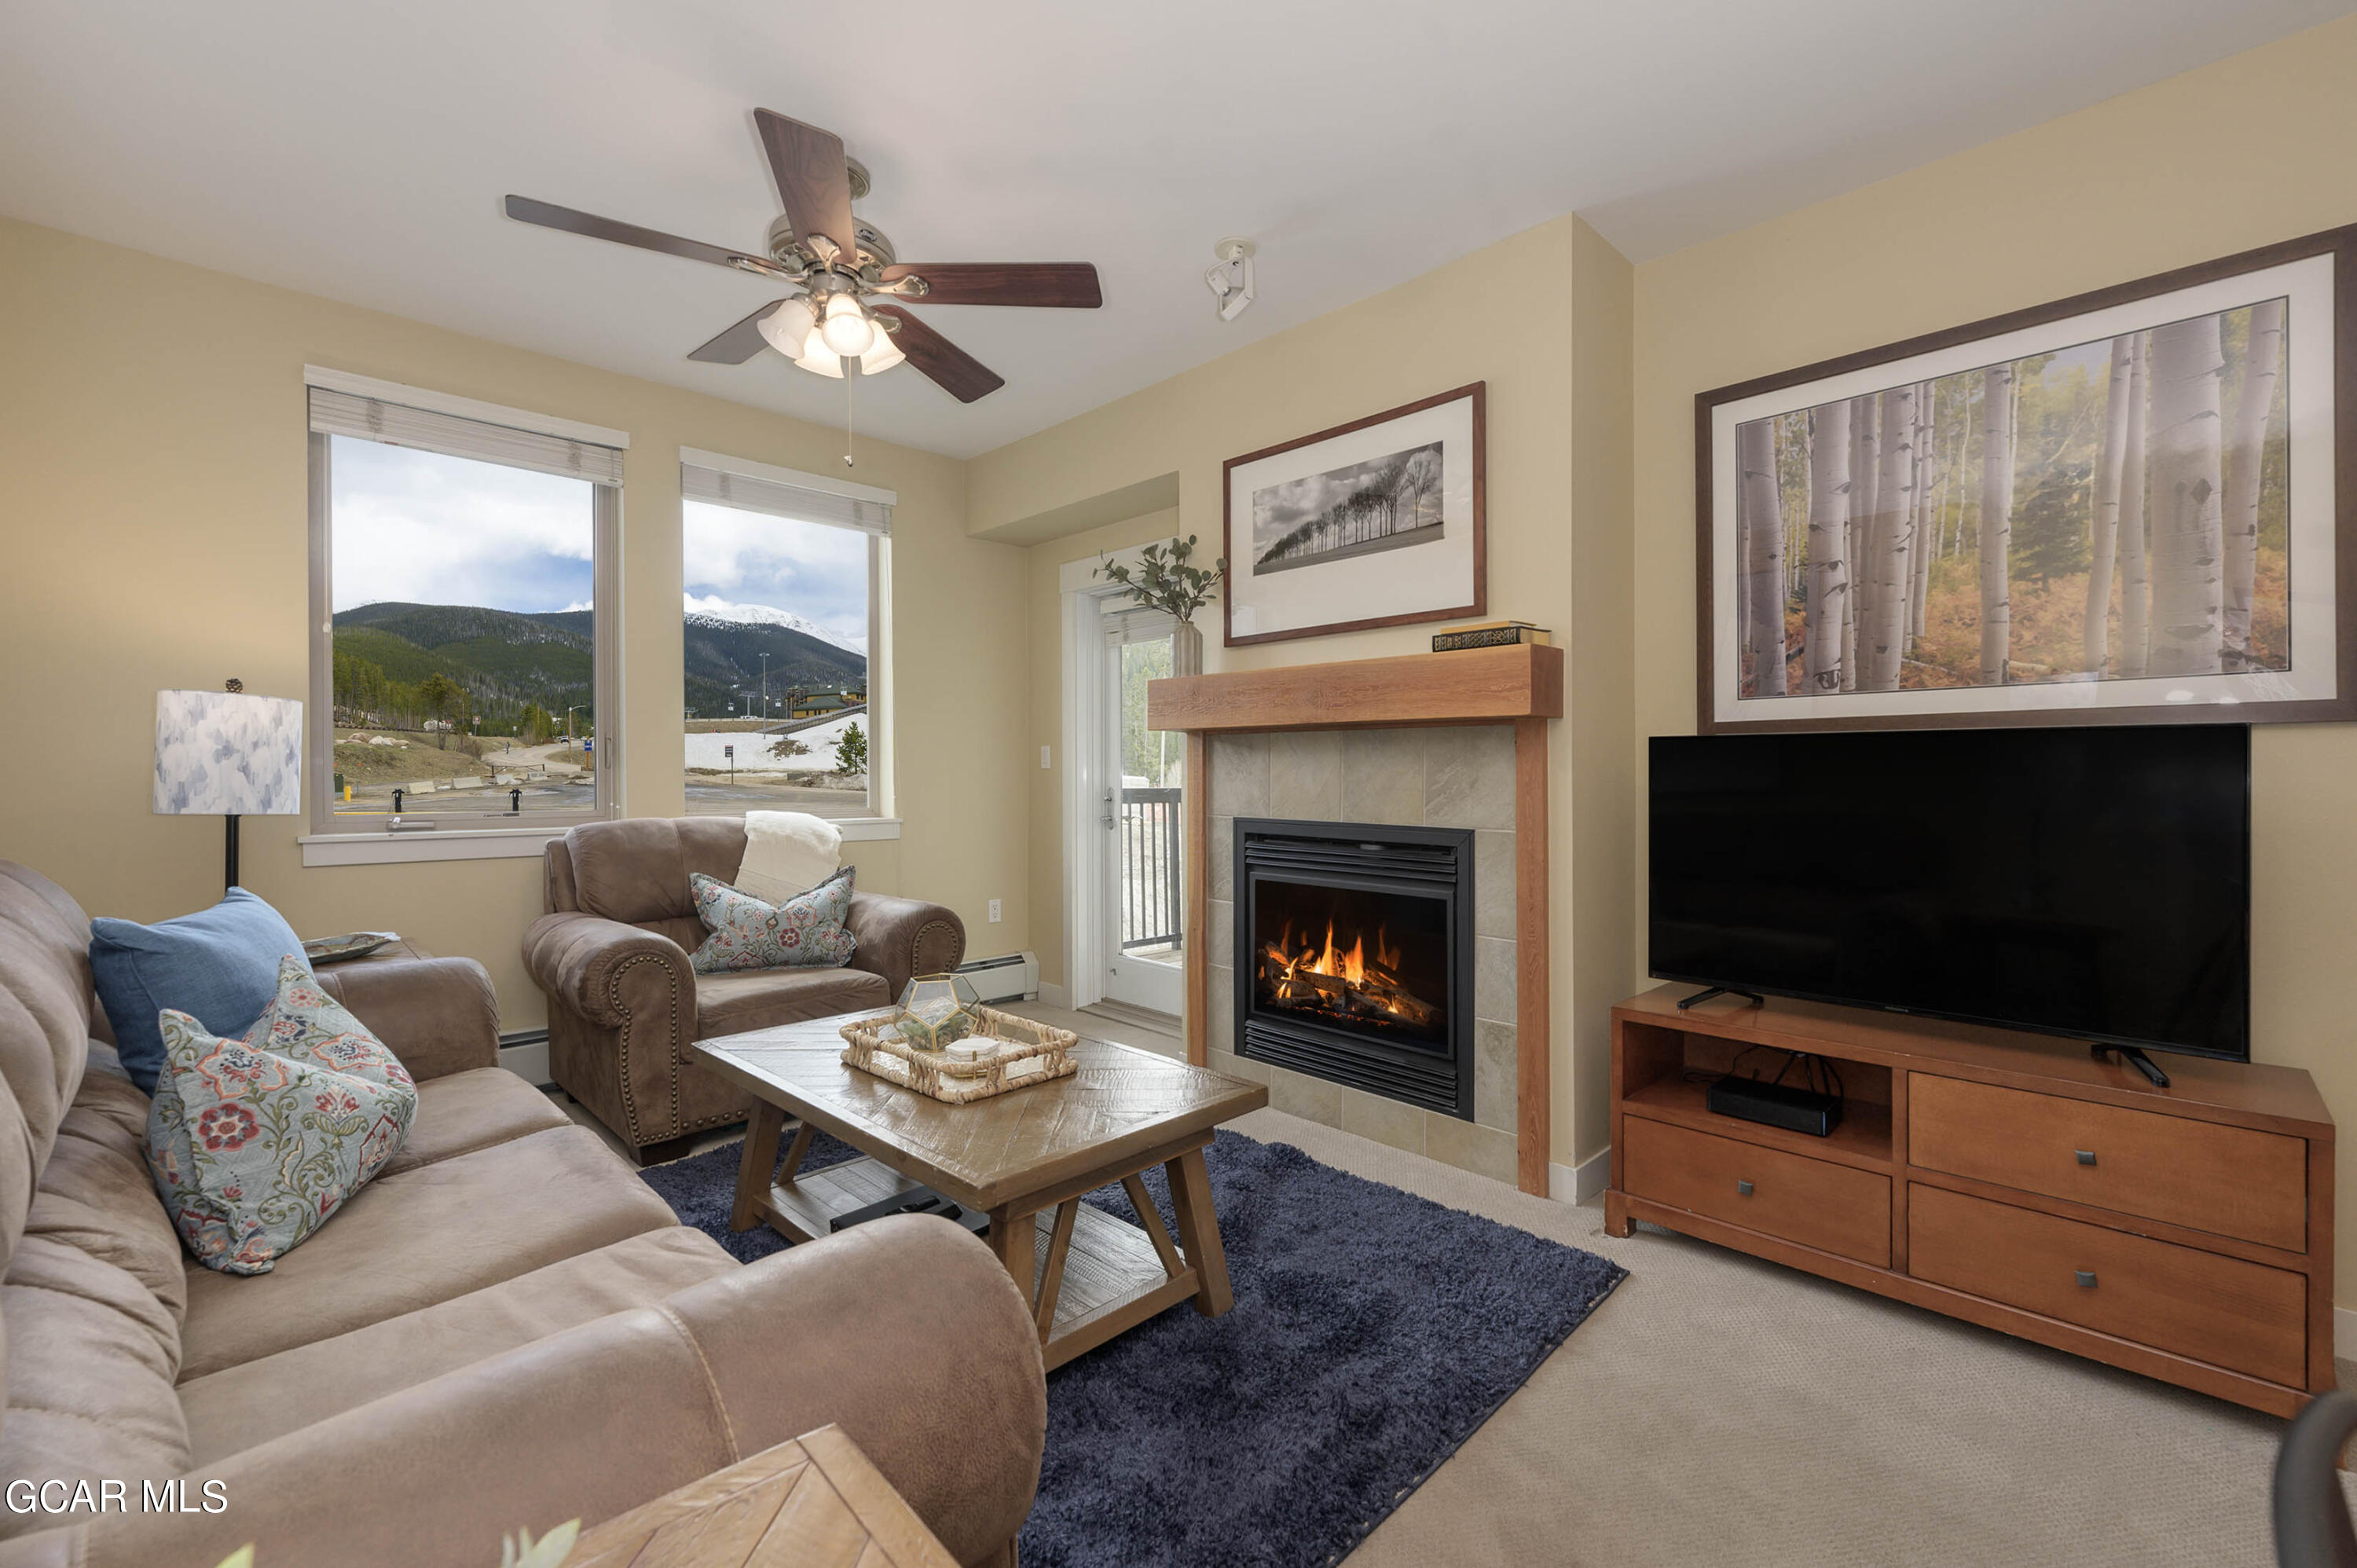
<point x="220" y="966"/>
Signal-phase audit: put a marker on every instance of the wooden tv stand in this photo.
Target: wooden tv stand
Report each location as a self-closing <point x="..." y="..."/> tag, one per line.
<point x="2009" y="1179"/>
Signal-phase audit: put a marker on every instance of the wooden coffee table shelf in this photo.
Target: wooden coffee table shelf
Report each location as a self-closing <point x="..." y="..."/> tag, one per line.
<point x="1025" y="1159"/>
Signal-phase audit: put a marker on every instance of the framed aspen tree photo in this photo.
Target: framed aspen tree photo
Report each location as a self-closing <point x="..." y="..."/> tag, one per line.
<point x="2132" y="506"/>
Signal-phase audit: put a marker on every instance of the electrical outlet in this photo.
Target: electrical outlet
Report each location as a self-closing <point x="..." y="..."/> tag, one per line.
<point x="993" y="911"/>
<point x="1044" y="763"/>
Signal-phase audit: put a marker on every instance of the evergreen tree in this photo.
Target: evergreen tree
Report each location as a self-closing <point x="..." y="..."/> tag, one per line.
<point x="2050" y="525"/>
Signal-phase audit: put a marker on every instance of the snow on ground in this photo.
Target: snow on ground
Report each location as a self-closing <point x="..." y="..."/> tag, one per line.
<point x="753" y="747"/>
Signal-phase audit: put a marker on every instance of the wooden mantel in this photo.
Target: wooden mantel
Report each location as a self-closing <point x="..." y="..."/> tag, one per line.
<point x="1522" y="686"/>
<point x="1477" y="686"/>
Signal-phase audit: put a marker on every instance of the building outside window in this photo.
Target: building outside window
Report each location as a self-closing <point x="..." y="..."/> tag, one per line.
<point x="782" y="624"/>
<point x="462" y="655"/>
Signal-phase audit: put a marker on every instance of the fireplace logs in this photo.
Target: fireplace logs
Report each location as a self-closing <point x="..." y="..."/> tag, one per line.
<point x="1342" y="981"/>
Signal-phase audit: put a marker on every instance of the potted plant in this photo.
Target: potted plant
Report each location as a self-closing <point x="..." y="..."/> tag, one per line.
<point x="1163" y="580"/>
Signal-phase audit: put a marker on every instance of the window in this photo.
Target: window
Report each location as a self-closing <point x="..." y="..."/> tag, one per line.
<point x="462" y="666"/>
<point x="783" y="576"/>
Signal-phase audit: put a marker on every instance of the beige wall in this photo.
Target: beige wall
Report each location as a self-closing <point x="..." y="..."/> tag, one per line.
<point x="152" y="533"/>
<point x="2251" y="150"/>
<point x="1531" y="316"/>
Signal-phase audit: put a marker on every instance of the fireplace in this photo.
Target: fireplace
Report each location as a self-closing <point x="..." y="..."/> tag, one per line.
<point x="1355" y="956"/>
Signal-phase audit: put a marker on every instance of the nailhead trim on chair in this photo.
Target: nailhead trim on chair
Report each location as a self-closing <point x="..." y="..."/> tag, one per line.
<point x="614" y="995"/>
<point x="919" y="940"/>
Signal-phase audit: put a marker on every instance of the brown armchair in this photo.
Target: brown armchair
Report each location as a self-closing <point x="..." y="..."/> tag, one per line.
<point x="623" y="1007"/>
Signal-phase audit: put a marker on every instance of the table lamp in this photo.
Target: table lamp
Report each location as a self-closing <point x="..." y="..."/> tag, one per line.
<point x="227" y="753"/>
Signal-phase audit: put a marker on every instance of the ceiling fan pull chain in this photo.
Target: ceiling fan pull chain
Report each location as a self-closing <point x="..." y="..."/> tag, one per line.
<point x="848" y="380"/>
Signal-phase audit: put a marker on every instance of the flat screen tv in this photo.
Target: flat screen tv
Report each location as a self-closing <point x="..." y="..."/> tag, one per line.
<point x="2093" y="883"/>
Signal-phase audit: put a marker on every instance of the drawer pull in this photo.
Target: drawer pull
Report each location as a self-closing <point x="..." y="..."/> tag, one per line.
<point x="2086" y="1156"/>
<point x="1743" y="1187"/>
<point x="2086" y="1277"/>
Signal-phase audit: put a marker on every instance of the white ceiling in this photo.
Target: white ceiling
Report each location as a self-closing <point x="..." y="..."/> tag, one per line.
<point x="360" y="151"/>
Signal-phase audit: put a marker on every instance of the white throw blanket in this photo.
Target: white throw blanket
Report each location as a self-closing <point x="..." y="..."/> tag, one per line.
<point x="787" y="853"/>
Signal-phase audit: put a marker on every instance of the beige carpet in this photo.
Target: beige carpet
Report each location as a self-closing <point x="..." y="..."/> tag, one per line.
<point x="1725" y="1413"/>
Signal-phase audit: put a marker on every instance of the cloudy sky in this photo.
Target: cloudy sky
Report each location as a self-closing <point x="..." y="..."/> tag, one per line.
<point x="1279" y="509"/>
<point x="730" y="558"/>
<point x="423" y="528"/>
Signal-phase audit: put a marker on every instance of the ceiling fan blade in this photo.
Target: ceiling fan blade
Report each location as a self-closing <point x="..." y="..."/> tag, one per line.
<point x="740" y="342"/>
<point x="1066" y="284"/>
<point x="959" y="373"/>
<point x="524" y="209"/>
<point x="813" y="179"/>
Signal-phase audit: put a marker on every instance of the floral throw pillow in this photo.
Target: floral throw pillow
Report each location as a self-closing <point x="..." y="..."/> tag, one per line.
<point x="255" y="1143"/>
<point x="804" y="932"/>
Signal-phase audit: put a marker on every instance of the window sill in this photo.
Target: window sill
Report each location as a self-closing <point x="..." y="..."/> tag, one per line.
<point x="496" y="844"/>
<point x="392" y="849"/>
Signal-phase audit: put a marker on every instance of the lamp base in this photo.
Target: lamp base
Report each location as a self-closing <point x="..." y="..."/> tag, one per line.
<point x="229" y="859"/>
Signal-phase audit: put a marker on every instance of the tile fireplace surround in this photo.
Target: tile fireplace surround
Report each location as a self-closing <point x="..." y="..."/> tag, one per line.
<point x="1442" y="740"/>
<point x="1460" y="777"/>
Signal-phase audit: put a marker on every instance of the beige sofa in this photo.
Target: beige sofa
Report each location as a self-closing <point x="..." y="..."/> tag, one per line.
<point x="507" y="1330"/>
<point x="624" y="1007"/>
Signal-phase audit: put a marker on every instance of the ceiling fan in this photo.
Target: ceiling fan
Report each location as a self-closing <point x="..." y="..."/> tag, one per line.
<point x="845" y="268"/>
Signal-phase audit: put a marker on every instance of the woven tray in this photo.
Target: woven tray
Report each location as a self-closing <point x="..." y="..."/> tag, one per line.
<point x="1021" y="1053"/>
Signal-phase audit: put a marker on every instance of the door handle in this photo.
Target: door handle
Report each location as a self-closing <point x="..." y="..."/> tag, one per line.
<point x="2086" y="1156"/>
<point x="2086" y="1278"/>
<point x="1743" y="1187"/>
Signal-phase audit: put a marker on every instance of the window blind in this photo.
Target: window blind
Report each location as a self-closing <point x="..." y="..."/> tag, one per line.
<point x="780" y="498"/>
<point x="396" y="425"/>
<point x="1138" y="624"/>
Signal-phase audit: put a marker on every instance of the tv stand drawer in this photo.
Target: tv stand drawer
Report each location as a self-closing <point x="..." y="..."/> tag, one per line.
<point x="1832" y="1207"/>
<point x="2199" y="1305"/>
<point x="2205" y="1176"/>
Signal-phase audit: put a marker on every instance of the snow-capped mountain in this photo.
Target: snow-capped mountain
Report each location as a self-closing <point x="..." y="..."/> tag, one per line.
<point x="714" y="608"/>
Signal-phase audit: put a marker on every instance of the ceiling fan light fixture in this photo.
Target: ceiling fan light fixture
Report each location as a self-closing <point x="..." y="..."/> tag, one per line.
<point x="882" y="355"/>
<point x="846" y="326"/>
<point x="787" y="327"/>
<point x="828" y="320"/>
<point x="818" y="359"/>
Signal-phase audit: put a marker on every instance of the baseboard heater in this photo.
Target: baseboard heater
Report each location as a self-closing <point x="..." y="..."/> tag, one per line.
<point x="525" y="1053"/>
<point x="1010" y="977"/>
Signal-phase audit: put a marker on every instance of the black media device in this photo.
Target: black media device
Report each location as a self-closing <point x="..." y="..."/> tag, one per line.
<point x="2087" y="881"/>
<point x="1777" y="1104"/>
<point x="916" y="1200"/>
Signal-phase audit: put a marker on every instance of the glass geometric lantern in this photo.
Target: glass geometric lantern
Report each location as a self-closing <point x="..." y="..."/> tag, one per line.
<point x="937" y="1009"/>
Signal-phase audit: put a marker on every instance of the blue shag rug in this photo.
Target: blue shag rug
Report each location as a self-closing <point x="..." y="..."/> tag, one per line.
<point x="1373" y="1333"/>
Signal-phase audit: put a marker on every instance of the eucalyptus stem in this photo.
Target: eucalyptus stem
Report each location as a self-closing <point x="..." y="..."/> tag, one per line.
<point x="1163" y="578"/>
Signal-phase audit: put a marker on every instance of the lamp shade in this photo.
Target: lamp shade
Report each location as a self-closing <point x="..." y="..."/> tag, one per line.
<point x="882" y="355"/>
<point x="227" y="753"/>
<point x="787" y="327"/>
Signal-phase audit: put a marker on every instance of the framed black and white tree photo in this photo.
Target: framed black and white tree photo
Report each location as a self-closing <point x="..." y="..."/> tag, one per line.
<point x="1377" y="522"/>
<point x="2132" y="506"/>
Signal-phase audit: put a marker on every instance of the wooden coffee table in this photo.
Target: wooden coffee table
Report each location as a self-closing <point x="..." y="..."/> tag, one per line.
<point x="1024" y="1158"/>
<point x="815" y="1502"/>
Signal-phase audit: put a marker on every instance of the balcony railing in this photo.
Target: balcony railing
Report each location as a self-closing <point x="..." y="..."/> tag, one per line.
<point x="1148" y="826"/>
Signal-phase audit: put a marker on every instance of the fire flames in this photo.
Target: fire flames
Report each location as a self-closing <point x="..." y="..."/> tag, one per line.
<point x="1322" y="976"/>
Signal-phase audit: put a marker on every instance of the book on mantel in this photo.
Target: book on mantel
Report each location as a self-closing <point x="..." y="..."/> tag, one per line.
<point x="1489" y="634"/>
